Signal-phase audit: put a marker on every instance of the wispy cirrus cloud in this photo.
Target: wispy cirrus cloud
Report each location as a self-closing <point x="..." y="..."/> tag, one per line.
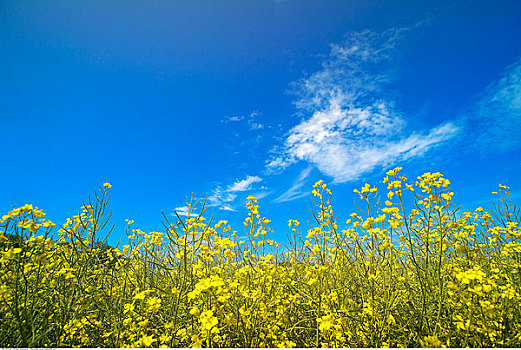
<point x="350" y="125"/>
<point x="224" y="198"/>
<point x="295" y="191"/>
<point x="243" y="185"/>
<point x="496" y="121"/>
<point x="184" y="211"/>
<point x="232" y="118"/>
<point x="252" y="120"/>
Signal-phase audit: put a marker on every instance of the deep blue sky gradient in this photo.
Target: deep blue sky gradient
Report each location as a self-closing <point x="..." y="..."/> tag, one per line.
<point x="141" y="93"/>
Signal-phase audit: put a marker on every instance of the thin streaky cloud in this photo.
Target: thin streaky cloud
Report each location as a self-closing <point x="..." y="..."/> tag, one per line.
<point x="221" y="198"/>
<point x="243" y="185"/>
<point x="183" y="211"/>
<point x="227" y="207"/>
<point x="233" y="118"/>
<point x="496" y="121"/>
<point x="224" y="198"/>
<point x="295" y="191"/>
<point x="262" y="194"/>
<point x="252" y="119"/>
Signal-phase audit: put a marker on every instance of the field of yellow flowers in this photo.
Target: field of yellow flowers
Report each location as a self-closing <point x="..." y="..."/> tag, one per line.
<point x="407" y="270"/>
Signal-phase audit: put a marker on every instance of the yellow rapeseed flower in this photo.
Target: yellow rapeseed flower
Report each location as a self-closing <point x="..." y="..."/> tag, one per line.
<point x="147" y="340"/>
<point x="208" y="320"/>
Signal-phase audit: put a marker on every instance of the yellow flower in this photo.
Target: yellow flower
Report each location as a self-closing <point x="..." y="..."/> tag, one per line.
<point x="142" y="295"/>
<point x="195" y="311"/>
<point x="165" y="338"/>
<point x="143" y="323"/>
<point x="107" y="185"/>
<point x="147" y="340"/>
<point x="128" y="308"/>
<point x="29" y="207"/>
<point x="432" y="342"/>
<point x="325" y="323"/>
<point x="312" y="281"/>
<point x="48" y="223"/>
<point x="207" y="320"/>
<point x="10" y="253"/>
<point x="153" y="304"/>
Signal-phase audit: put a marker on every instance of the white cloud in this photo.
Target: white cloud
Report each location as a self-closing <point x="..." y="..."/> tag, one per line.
<point x="262" y="194"/>
<point x="220" y="198"/>
<point x="224" y="198"/>
<point x="256" y="126"/>
<point x="251" y="119"/>
<point x="295" y="192"/>
<point x="497" y="119"/>
<point x="352" y="126"/>
<point x="253" y="122"/>
<point x="243" y="185"/>
<point x="233" y="118"/>
<point x="183" y="211"/>
<point x="227" y="207"/>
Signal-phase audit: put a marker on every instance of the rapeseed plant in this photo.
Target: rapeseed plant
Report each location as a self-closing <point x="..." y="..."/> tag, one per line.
<point x="430" y="276"/>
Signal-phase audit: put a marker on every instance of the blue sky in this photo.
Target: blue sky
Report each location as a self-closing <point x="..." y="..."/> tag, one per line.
<point x="224" y="99"/>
